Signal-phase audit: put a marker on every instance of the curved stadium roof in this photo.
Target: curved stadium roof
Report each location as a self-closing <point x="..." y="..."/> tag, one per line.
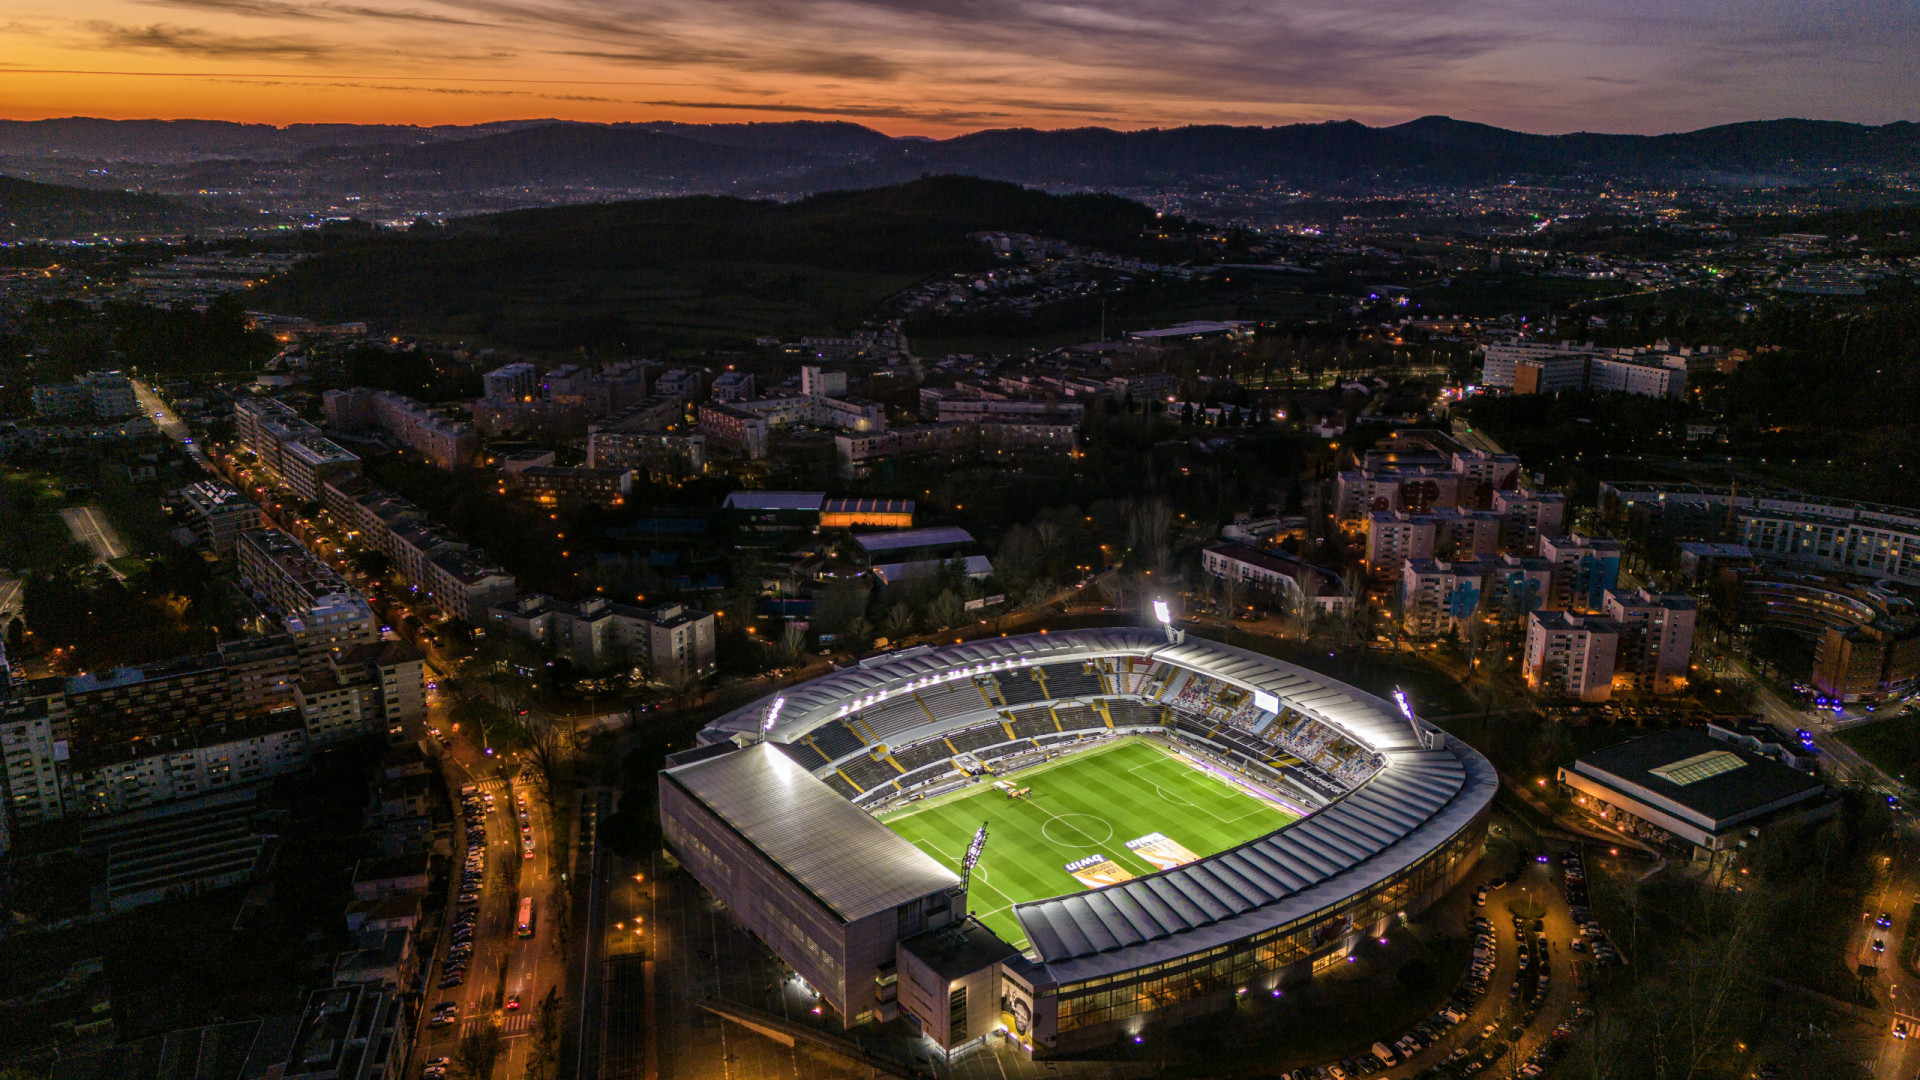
<point x="1430" y="788"/>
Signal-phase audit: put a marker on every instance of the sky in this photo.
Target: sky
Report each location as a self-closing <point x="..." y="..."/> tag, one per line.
<point x="941" y="67"/>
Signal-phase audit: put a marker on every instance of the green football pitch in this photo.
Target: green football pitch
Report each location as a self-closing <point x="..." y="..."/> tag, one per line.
<point x="1090" y="803"/>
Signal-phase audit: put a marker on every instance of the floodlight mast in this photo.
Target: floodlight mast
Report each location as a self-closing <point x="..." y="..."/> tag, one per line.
<point x="973" y="855"/>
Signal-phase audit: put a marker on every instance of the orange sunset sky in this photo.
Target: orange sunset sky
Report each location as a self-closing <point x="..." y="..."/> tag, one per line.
<point x="940" y="67"/>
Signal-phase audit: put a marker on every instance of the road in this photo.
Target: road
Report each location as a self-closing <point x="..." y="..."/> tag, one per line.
<point x="503" y="964"/>
<point x="168" y="422"/>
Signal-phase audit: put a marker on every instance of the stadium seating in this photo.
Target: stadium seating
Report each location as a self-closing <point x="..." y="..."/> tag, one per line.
<point x="868" y="772"/>
<point x="1018" y="687"/>
<point x="926" y="753"/>
<point x="805" y="756"/>
<point x="1075" y="717"/>
<point x="1071" y="681"/>
<point x="1133" y="713"/>
<point x="835" y="740"/>
<point x="1034" y="722"/>
<point x="949" y="701"/>
<point x="900" y="713"/>
<point x="976" y="737"/>
<point x="839" y="783"/>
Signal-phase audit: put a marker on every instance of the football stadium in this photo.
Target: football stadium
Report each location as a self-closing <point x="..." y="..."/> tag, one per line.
<point x="1068" y="837"/>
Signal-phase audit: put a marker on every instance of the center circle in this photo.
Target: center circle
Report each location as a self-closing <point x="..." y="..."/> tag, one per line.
<point x="1077" y="830"/>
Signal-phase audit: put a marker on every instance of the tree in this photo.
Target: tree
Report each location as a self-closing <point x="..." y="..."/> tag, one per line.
<point x="477" y="1052"/>
<point x="16" y="634"/>
<point x="947" y="610"/>
<point x="897" y="623"/>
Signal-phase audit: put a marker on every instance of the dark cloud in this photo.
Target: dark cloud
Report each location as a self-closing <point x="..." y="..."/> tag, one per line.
<point x="193" y="41"/>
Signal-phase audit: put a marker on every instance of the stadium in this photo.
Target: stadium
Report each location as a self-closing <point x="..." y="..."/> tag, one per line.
<point x="1068" y="837"/>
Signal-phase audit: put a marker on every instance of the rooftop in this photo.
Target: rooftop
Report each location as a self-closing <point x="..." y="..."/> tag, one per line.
<point x="831" y="848"/>
<point x="775" y="500"/>
<point x="914" y="538"/>
<point x="1714" y="783"/>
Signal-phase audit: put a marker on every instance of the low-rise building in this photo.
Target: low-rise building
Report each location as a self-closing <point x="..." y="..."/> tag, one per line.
<point x="1689" y="791"/>
<point x="1278" y="579"/>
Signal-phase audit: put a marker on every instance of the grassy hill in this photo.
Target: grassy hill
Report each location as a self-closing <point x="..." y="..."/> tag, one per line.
<point x="687" y="272"/>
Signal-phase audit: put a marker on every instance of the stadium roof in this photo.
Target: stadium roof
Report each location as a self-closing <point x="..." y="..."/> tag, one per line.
<point x="1709" y="782"/>
<point x="1368" y="719"/>
<point x="914" y="538"/>
<point x="833" y="849"/>
<point x="775" y="500"/>
<point x="977" y="566"/>
<point x="1402" y="814"/>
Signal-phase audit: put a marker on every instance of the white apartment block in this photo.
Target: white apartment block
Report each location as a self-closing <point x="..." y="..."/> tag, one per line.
<point x="276" y="746"/>
<point x="1570" y="655"/>
<point x="30" y="748"/>
<point x="1527" y="516"/>
<point x="1656" y="638"/>
<point x="218" y="514"/>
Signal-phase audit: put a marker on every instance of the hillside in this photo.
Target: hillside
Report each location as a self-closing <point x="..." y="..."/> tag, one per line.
<point x="31" y="210"/>
<point x="700" y="270"/>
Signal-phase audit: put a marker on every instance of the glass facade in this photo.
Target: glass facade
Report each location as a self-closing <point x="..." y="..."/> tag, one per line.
<point x="1225" y="968"/>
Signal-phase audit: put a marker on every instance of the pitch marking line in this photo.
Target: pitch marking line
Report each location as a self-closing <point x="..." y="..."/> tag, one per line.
<point x="1190" y="772"/>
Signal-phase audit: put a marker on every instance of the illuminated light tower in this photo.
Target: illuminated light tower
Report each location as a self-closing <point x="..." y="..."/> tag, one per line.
<point x="1165" y="615"/>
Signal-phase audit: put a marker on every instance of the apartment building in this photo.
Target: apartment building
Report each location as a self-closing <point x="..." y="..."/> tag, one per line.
<point x="553" y="485"/>
<point x="1551" y="367"/>
<point x="682" y="383"/>
<point x="218" y="514"/>
<point x="168" y="766"/>
<point x="1526" y="516"/>
<point x="368" y="689"/>
<point x="660" y="455"/>
<point x="285" y="574"/>
<point x="1656" y="638"/>
<point x="598" y="633"/>
<point x="456" y="576"/>
<point x="306" y="464"/>
<point x="1584" y="568"/>
<point x="1642" y="641"/>
<point x="732" y="386"/>
<point x="1444" y="533"/>
<point x="265" y="426"/>
<point x="104" y="395"/>
<point x="446" y="444"/>
<point x="998" y="437"/>
<point x="816" y="381"/>
<point x="34" y="737"/>
<point x="509" y="382"/>
<point x="1570" y="655"/>
<point x="737" y="430"/>
<point x="1439" y="596"/>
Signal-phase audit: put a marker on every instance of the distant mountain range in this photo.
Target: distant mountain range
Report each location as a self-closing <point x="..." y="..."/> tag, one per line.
<point x="812" y="156"/>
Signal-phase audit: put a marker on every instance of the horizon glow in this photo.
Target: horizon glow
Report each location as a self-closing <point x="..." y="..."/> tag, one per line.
<point x="917" y="67"/>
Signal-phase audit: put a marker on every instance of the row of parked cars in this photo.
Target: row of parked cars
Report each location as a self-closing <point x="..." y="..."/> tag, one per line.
<point x="1592" y="939"/>
<point x="473" y="874"/>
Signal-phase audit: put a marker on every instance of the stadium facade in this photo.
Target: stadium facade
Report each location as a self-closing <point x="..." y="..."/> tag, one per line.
<point x="775" y="814"/>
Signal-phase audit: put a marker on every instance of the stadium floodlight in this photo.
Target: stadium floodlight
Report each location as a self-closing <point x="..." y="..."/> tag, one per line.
<point x="1165" y="614"/>
<point x="773" y="714"/>
<point x="1400" y="699"/>
<point x="973" y="854"/>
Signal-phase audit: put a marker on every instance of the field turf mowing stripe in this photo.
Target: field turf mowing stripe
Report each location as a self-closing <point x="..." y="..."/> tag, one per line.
<point x="1093" y="801"/>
